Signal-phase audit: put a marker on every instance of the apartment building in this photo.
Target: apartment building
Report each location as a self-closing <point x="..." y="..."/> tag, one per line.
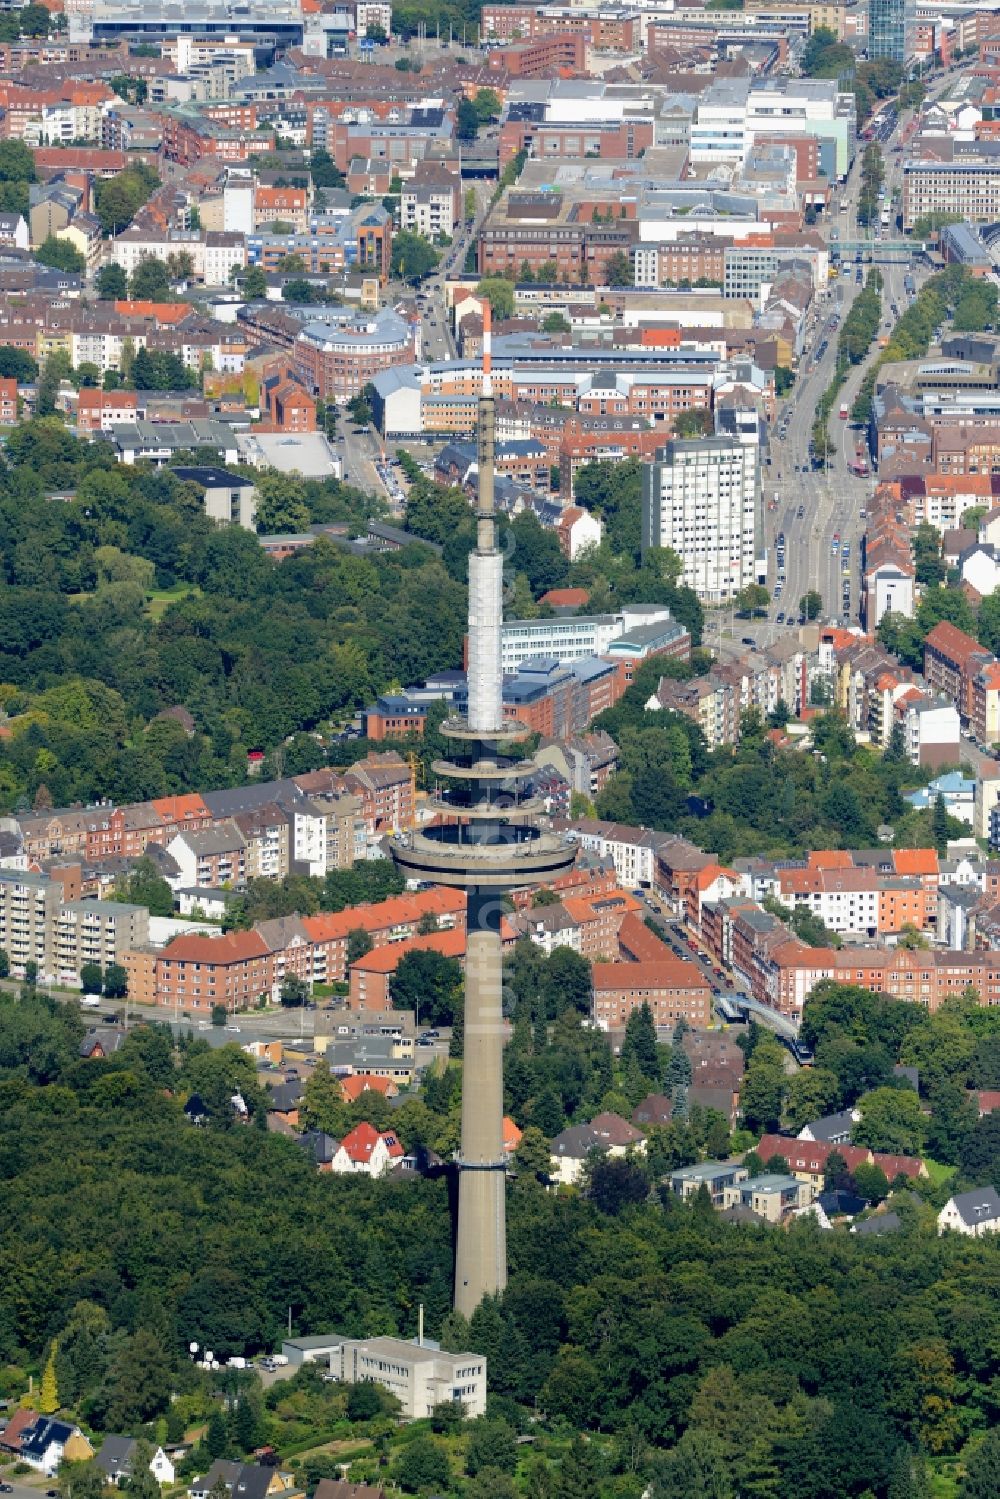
<point x="431" y="203"/>
<point x="37" y="925"/>
<point x="194" y="972"/>
<point x="632" y="851"/>
<point x="674" y="989"/>
<point x="8" y="402"/>
<point x="952" y="661"/>
<point x="211" y="859"/>
<point x="102" y="410"/>
<point x="699" y="498"/>
<point x="392" y="920"/>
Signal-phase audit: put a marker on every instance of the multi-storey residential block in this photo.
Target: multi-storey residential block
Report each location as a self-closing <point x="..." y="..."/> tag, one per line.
<point x="952" y="661"/>
<point x="37" y="925"/>
<point x="674" y="989"/>
<point x="195" y="972"/>
<point x="699" y="498"/>
<point x="392" y="920"/>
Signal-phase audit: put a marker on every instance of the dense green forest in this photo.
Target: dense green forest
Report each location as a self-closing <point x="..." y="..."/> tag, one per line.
<point x="123" y="599"/>
<point x="704" y="1358"/>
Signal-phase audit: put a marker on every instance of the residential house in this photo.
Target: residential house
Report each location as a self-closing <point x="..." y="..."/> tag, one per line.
<point x="115" y="1461"/>
<point x="319" y="1147"/>
<point x="338" y="1488"/>
<point x="972" y="1213"/>
<point x="51" y="1441"/>
<point x="22" y="1420"/>
<point x="717" y="1177"/>
<point x="243" y="1480"/>
<point x="364" y="1149"/>
<point x="607" y="1134"/>
<point x="832" y="1129"/>
<point x="772" y="1197"/>
<point x="102" y="1041"/>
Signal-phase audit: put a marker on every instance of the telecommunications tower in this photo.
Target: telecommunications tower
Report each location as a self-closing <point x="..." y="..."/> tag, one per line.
<point x="485" y="842"/>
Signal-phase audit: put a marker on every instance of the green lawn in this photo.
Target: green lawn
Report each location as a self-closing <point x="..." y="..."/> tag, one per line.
<point x="938" y="1172"/>
<point x="158" y="600"/>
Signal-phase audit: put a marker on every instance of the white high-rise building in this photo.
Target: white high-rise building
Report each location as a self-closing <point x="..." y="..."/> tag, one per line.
<point x="238" y="201"/>
<point x="699" y="497"/>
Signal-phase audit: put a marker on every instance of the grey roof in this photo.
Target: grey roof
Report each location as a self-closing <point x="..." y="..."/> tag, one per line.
<point x="109" y="1038"/>
<point x="981" y="1205"/>
<point x="882" y="1223"/>
<point x="213" y="478"/>
<point x="832" y="1127"/>
<point x="220" y="839"/>
<point x="115" y="1456"/>
<point x="705" y="1171"/>
<point x="285" y="1096"/>
<point x="321" y="1147"/>
<point x="243" y="1480"/>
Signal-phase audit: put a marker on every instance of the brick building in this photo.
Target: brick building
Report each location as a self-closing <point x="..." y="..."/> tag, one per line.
<point x="392" y="920"/>
<point x="673" y="989"/>
<point x="195" y="972"/>
<point x="952" y="660"/>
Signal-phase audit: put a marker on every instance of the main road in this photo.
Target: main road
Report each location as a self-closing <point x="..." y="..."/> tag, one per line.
<point x="821" y="512"/>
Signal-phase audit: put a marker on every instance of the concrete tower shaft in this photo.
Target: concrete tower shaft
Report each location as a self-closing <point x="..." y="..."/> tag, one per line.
<point x="485" y="843"/>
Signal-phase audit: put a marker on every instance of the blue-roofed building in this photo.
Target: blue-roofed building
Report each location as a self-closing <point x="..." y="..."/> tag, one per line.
<point x="49" y="1441"/>
<point x="957" y="791"/>
<point x="961" y="245"/>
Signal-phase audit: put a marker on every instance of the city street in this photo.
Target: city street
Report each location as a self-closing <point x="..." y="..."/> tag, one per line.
<point x="833" y="500"/>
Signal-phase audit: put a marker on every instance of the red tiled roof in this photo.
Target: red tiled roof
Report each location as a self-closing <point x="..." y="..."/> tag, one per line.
<point x="830" y="858"/>
<point x="809" y="1155"/>
<point x="179" y="808"/>
<point x="233" y="947"/>
<point x="366" y="1082"/>
<point x="640" y="943"/>
<point x="396" y="911"/>
<point x="566" y="598"/>
<point x="954" y="643"/>
<point x="898" y="1165"/>
<point x="673" y="973"/>
<point x="362" y="1139"/>
<point x="916" y="860"/>
<point x="386" y="959"/>
<point x="18" y="1424"/>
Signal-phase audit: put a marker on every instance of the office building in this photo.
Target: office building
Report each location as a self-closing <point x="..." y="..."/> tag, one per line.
<point x="891" y="30"/>
<point x="420" y="1374"/>
<point x="699" y="498"/>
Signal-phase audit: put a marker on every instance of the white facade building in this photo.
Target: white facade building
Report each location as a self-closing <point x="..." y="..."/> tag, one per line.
<point x="891" y="591"/>
<point x="972" y="1213"/>
<point x="699" y="498"/>
<point x="420" y="1375"/>
<point x="571" y="637"/>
